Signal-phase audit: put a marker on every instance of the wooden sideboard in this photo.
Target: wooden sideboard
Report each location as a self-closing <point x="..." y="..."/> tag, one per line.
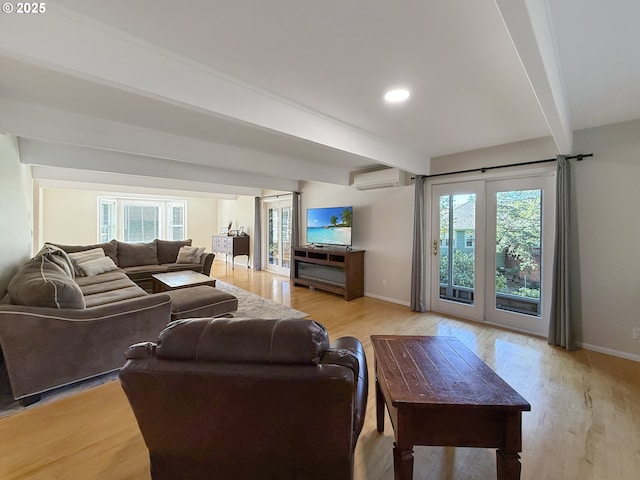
<point x="234" y="246"/>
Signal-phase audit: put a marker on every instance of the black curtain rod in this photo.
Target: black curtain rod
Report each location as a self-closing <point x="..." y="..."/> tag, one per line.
<point x="278" y="196"/>
<point x="534" y="162"/>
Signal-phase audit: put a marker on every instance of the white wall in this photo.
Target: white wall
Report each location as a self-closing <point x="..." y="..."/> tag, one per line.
<point x="519" y="152"/>
<point x="71" y="217"/>
<point x="202" y="220"/>
<point x="605" y="224"/>
<point x="382" y="226"/>
<point x="16" y="211"/>
<point x="68" y="217"/>
<point x="608" y="228"/>
<point x="239" y="211"/>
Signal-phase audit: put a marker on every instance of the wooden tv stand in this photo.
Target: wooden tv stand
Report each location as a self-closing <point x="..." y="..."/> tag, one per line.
<point x="327" y="268"/>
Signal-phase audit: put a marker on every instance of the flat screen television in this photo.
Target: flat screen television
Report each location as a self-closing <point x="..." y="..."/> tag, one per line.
<point x="329" y="225"/>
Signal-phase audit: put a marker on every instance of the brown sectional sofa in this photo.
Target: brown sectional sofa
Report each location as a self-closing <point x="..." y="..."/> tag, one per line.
<point x="141" y="260"/>
<point x="57" y="328"/>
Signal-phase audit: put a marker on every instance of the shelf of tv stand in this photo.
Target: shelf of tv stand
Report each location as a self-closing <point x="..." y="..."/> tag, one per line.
<point x="330" y="269"/>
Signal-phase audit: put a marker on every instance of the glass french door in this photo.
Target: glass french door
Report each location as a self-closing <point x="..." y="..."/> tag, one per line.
<point x="520" y="230"/>
<point x="492" y="251"/>
<point x="278" y="238"/>
<point x="457" y="247"/>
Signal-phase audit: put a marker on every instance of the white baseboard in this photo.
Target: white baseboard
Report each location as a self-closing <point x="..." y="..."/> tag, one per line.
<point x="609" y="351"/>
<point x="241" y="263"/>
<point x="386" y="299"/>
<point x="586" y="346"/>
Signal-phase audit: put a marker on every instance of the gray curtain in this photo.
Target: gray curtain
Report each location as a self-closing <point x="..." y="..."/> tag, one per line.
<point x="257" y="235"/>
<point x="560" y="328"/>
<point x="418" y="263"/>
<point x="295" y="220"/>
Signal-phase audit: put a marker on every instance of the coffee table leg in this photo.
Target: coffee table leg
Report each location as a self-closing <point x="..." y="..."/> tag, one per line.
<point x="402" y="463"/>
<point x="508" y="465"/>
<point x="379" y="408"/>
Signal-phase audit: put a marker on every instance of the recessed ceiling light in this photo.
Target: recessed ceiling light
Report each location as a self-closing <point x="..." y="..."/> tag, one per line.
<point x="397" y="95"/>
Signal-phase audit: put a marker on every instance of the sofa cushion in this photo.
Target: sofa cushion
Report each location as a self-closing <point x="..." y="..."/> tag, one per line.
<point x="201" y="301"/>
<point x="113" y="296"/>
<point x="44" y="283"/>
<point x="108" y="288"/>
<point x="104" y="279"/>
<point x="143" y="272"/>
<point x="168" y="249"/>
<point x="110" y="249"/>
<point x="134" y="254"/>
<point x="176" y="267"/>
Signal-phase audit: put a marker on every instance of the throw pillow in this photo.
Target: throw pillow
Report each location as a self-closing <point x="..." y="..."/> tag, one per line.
<point x="110" y="249"/>
<point x="80" y="257"/>
<point x="188" y="255"/>
<point x="97" y="265"/>
<point x="44" y="283"/>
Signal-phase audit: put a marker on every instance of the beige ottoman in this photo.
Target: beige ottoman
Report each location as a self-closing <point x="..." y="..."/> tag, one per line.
<point x="201" y="301"/>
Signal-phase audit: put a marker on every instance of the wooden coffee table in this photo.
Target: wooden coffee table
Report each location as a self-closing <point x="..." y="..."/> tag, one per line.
<point x="163" y="282"/>
<point x="439" y="393"/>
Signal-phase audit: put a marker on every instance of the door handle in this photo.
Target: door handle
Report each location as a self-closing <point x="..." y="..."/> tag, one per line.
<point x="435" y="247"/>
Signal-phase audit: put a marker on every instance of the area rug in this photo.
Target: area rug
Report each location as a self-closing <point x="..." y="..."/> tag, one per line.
<point x="249" y="306"/>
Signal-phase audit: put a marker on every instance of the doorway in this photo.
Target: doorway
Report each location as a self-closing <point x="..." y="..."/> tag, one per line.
<point x="277" y="215"/>
<point x="492" y="250"/>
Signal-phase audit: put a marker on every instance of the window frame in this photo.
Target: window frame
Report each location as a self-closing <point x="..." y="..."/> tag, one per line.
<point x="171" y="225"/>
<point x="165" y="206"/>
<point x="111" y="225"/>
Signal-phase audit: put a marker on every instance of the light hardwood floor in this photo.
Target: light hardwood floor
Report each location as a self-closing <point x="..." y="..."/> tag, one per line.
<point x="584" y="423"/>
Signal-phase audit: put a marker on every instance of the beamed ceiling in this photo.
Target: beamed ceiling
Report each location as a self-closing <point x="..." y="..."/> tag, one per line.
<point x="235" y="96"/>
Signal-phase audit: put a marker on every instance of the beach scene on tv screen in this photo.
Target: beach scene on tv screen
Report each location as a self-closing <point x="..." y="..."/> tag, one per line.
<point x="330" y="226"/>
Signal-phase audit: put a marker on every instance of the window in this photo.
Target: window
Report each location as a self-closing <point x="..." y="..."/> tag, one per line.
<point x="107" y="220"/>
<point x="141" y="220"/>
<point x="175" y="221"/>
<point x="469" y="238"/>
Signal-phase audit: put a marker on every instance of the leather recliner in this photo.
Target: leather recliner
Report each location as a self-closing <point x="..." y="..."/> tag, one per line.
<point x="248" y="399"/>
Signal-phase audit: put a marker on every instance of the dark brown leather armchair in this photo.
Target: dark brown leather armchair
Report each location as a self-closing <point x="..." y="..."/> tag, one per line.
<point x="248" y="399"/>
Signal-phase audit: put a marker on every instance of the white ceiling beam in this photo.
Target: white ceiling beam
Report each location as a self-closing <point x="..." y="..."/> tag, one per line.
<point x="74" y="44"/>
<point x="37" y="122"/>
<point x="34" y="152"/>
<point x="67" y="178"/>
<point x="529" y="26"/>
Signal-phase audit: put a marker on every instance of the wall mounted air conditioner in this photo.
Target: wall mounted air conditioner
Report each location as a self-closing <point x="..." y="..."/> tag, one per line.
<point x="389" y="177"/>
